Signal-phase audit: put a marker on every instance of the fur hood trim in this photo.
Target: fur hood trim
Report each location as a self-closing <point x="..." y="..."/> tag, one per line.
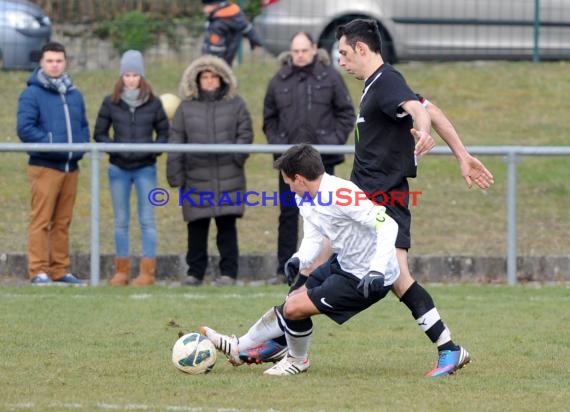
<point x="322" y="56"/>
<point x="188" y="88"/>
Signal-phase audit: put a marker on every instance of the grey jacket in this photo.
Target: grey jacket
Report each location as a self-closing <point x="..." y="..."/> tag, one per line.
<point x="210" y="183"/>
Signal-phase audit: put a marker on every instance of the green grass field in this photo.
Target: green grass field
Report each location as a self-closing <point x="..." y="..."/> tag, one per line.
<point x="502" y="103"/>
<point x="97" y="349"/>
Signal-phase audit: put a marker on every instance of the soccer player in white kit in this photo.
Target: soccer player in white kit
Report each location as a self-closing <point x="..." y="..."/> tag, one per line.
<point x="359" y="273"/>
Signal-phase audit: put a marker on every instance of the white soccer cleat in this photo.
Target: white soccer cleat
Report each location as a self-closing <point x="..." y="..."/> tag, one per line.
<point x="289" y="366"/>
<point x="228" y="345"/>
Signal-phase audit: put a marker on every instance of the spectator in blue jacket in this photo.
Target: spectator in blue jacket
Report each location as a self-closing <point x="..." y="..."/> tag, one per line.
<point x="226" y="25"/>
<point x="136" y="116"/>
<point x="52" y="110"/>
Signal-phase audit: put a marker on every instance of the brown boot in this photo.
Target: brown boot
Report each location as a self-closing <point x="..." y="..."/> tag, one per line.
<point x="146" y="272"/>
<point x="122" y="272"/>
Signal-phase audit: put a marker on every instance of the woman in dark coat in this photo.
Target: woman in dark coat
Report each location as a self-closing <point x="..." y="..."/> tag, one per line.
<point x="211" y="184"/>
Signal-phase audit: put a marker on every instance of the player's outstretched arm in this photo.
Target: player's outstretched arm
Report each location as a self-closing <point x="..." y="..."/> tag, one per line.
<point x="422" y="126"/>
<point x="472" y="169"/>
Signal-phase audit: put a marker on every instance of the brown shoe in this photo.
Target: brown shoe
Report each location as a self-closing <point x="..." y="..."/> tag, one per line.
<point x="146" y="273"/>
<point x="122" y="272"/>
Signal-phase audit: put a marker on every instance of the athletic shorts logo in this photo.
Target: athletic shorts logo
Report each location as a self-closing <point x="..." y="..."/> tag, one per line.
<point x="324" y="302"/>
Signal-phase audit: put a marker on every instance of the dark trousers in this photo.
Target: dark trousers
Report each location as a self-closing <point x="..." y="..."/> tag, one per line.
<point x="226" y="240"/>
<point x="288" y="232"/>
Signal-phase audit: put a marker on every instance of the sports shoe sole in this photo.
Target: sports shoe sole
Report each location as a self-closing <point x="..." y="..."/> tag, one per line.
<point x="290" y="370"/>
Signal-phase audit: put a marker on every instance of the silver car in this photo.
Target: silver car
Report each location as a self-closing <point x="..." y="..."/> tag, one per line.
<point x="429" y="29"/>
<point x="24" y="29"/>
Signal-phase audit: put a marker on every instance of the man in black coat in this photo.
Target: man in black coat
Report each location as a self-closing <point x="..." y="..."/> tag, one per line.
<point x="306" y="101"/>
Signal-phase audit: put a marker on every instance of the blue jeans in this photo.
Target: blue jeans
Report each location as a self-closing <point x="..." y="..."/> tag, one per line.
<point x="120" y="183"/>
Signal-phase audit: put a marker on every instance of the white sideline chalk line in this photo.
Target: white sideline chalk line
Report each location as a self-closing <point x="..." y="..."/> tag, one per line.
<point x="142" y="296"/>
<point x="110" y="406"/>
<point x="234" y="296"/>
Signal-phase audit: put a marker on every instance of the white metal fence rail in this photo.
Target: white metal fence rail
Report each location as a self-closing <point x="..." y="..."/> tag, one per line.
<point x="511" y="153"/>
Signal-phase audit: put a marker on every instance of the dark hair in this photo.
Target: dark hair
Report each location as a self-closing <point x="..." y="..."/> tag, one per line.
<point x="144" y="87"/>
<point x="53" y="46"/>
<point x="223" y="85"/>
<point x="303" y="33"/>
<point x="302" y="159"/>
<point x="361" y="30"/>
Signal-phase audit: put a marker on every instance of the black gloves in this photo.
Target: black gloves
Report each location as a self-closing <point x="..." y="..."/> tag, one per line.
<point x="291" y="269"/>
<point x="373" y="282"/>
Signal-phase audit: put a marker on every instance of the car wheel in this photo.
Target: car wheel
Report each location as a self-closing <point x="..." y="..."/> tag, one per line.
<point x="329" y="42"/>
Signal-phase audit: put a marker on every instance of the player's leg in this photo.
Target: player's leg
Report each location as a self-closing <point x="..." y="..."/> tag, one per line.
<point x="274" y="349"/>
<point x="264" y="341"/>
<point x="295" y="315"/>
<point x="258" y="339"/>
<point x="329" y="291"/>
<point x="414" y="296"/>
<point x="451" y="356"/>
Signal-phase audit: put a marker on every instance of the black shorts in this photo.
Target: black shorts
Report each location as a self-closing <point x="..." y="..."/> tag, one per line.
<point x="334" y="293"/>
<point x="397" y="207"/>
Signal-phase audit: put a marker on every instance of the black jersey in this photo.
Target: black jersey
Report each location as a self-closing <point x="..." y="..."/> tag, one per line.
<point x="384" y="147"/>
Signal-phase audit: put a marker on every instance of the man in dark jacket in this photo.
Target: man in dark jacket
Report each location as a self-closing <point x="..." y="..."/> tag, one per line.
<point x="51" y="110"/>
<point x="306" y="102"/>
<point x="226" y="25"/>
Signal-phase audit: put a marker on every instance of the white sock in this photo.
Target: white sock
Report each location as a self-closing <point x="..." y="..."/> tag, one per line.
<point x="266" y="328"/>
<point x="444" y="337"/>
<point x="298" y="343"/>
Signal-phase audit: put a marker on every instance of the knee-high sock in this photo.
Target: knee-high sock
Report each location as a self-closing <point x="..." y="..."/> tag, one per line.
<point x="423" y="309"/>
<point x="298" y="334"/>
<point x="267" y="327"/>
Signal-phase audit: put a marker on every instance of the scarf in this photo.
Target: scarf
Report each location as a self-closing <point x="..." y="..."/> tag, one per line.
<point x="60" y="84"/>
<point x="132" y="99"/>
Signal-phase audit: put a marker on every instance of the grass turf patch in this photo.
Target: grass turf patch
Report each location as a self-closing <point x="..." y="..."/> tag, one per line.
<point x="109" y="348"/>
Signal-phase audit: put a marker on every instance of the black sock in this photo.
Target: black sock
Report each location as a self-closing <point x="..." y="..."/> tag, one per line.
<point x="423" y="309"/>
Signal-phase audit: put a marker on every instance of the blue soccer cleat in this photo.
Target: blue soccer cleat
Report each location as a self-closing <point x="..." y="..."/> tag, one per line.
<point x="449" y="362"/>
<point x="269" y="351"/>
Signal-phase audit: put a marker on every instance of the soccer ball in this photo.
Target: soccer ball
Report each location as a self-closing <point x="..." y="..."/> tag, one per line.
<point x="194" y="354"/>
<point x="170" y="103"/>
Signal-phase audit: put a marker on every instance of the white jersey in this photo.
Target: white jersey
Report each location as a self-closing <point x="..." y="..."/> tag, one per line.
<point x="360" y="232"/>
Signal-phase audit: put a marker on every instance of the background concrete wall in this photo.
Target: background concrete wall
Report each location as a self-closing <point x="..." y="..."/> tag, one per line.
<point x="446" y="269"/>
